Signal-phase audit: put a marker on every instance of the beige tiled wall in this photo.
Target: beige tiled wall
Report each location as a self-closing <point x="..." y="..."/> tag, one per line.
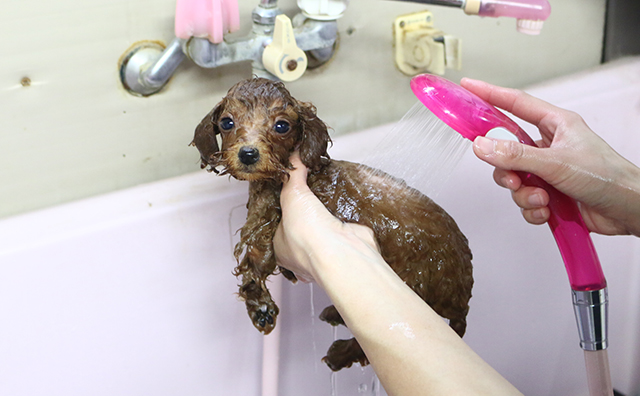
<point x="73" y="132"/>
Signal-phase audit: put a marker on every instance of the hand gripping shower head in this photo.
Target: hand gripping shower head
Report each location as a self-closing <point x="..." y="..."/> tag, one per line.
<point x="471" y="117"/>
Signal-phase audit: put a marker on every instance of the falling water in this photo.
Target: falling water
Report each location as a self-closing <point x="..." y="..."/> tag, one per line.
<point x="375" y="386"/>
<point x="420" y="149"/>
<point x="313" y="306"/>
<point x="334" y="375"/>
<point x="334" y="383"/>
<point x="313" y="328"/>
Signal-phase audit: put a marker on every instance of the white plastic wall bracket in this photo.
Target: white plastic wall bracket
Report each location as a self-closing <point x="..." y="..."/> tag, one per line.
<point x="420" y="48"/>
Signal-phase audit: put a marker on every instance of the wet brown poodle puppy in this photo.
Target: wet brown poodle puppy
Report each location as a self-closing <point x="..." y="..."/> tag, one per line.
<point x="260" y="124"/>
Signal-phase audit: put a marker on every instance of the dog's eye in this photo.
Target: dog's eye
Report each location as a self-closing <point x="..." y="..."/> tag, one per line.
<point x="281" y="127"/>
<point x="226" y="123"/>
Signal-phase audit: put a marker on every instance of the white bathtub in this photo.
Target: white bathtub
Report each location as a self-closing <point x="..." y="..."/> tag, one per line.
<point x="131" y="293"/>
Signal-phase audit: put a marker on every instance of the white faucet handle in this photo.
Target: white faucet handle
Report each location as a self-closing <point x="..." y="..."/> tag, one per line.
<point x="209" y="19"/>
<point x="323" y="10"/>
<point x="282" y="57"/>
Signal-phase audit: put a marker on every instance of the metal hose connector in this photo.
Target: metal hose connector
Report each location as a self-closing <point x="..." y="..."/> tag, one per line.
<point x="590" y="308"/>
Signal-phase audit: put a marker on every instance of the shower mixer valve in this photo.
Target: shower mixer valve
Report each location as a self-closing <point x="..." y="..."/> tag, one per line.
<point x="421" y="48"/>
<point x="278" y="48"/>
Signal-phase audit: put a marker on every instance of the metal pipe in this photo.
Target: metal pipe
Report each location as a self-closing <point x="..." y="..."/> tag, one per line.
<point x="268" y="3"/>
<point x="266" y="12"/>
<point x="312" y="35"/>
<point x="147" y="67"/>
<point x="157" y="75"/>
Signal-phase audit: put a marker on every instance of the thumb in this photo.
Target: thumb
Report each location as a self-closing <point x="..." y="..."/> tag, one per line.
<point x="515" y="156"/>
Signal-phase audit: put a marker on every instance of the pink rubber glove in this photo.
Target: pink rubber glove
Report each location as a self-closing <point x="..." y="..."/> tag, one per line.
<point x="209" y="19"/>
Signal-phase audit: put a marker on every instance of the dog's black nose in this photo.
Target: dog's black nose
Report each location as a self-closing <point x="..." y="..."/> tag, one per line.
<point x="248" y="155"/>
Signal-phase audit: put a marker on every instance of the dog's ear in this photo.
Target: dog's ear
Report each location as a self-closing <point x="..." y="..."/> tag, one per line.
<point x="205" y="136"/>
<point x="314" y="138"/>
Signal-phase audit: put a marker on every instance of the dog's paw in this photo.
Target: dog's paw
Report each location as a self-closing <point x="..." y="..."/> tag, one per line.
<point x="263" y="316"/>
<point x="330" y="315"/>
<point x="288" y="274"/>
<point x="343" y="353"/>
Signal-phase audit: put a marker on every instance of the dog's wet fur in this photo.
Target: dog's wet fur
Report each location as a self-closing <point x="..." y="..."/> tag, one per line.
<point x="260" y="124"/>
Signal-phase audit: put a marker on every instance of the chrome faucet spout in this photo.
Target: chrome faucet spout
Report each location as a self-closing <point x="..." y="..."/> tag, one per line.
<point x="146" y="68"/>
<point x="207" y="55"/>
<point x="161" y="71"/>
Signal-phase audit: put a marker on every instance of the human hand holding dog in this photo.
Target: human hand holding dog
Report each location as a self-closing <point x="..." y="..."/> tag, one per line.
<point x="570" y="157"/>
<point x="412" y="350"/>
<point x="308" y="229"/>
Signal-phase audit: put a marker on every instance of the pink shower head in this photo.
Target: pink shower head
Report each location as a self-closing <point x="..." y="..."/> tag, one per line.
<point x="471" y="117"/>
<point x="463" y="111"/>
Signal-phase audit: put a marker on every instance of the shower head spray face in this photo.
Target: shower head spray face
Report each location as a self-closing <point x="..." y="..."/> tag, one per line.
<point x="471" y="116"/>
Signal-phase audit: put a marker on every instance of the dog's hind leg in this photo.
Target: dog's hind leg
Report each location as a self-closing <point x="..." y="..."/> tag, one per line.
<point x="459" y="325"/>
<point x="343" y="353"/>
<point x="331" y="315"/>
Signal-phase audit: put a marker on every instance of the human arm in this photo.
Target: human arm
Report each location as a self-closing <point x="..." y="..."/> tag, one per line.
<point x="411" y="348"/>
<point x="570" y="157"/>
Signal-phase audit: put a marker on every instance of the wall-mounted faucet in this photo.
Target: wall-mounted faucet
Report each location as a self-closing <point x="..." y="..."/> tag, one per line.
<point x="277" y="47"/>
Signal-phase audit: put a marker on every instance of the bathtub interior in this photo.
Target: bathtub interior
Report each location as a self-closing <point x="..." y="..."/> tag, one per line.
<point x="132" y="293"/>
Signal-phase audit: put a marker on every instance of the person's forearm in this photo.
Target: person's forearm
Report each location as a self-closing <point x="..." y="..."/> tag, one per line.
<point x="411" y="348"/>
<point x="630" y="184"/>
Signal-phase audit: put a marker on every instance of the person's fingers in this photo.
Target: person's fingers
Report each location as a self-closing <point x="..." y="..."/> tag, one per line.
<point x="544" y="115"/>
<point x="530" y="197"/>
<point x="286" y="256"/>
<point x="514" y="156"/>
<point x="507" y="179"/>
<point x="297" y="176"/>
<point x="297" y="197"/>
<point x="515" y="101"/>
<point x="536" y="216"/>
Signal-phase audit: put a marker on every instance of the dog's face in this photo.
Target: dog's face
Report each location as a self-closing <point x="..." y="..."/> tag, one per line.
<point x="260" y="125"/>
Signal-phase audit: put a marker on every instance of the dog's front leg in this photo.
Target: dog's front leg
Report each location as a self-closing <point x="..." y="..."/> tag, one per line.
<point x="253" y="273"/>
<point x="258" y="262"/>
